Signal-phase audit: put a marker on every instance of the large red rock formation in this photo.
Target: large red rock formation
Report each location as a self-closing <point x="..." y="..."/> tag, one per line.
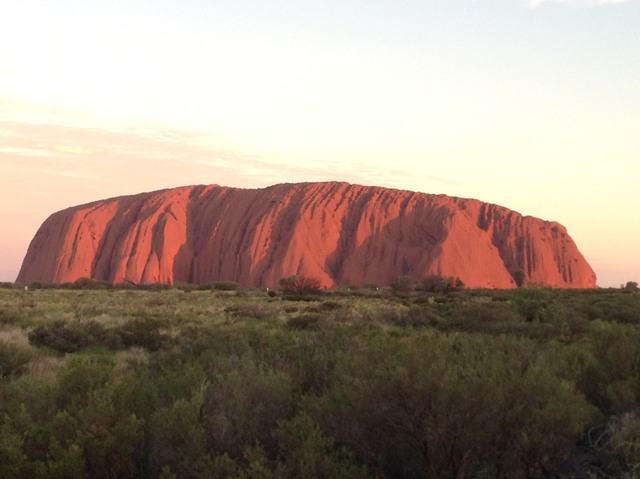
<point x="337" y="232"/>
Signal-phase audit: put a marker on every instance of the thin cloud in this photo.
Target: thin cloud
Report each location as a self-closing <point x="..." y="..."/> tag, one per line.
<point x="12" y="109"/>
<point x="69" y="174"/>
<point x="127" y="161"/>
<point x="582" y="3"/>
<point x="75" y="150"/>
<point x="24" y="152"/>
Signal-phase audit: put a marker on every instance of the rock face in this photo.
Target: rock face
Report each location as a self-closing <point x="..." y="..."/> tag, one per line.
<point x="337" y="232"/>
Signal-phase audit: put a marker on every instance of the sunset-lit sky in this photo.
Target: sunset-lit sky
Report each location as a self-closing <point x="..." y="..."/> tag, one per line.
<point x="533" y="105"/>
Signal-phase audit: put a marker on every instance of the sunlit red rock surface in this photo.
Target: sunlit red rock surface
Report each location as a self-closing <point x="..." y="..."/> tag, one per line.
<point x="337" y="232"/>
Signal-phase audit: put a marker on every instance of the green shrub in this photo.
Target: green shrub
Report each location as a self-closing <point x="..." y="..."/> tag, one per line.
<point x="301" y="297"/>
<point x="250" y="310"/>
<point x="622" y="445"/>
<point x="9" y="316"/>
<point x="13" y="358"/>
<point x="329" y="306"/>
<point x="535" y="304"/>
<point x="440" y="284"/>
<point x="436" y="405"/>
<point x="144" y="332"/>
<point x="306" y="321"/>
<point x="69" y="337"/>
<point x="300" y="285"/>
<point x="225" y="286"/>
<point x="242" y="407"/>
<point x="402" y="284"/>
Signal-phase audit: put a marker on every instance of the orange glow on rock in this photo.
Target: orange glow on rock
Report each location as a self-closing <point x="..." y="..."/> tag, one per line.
<point x="336" y="232"/>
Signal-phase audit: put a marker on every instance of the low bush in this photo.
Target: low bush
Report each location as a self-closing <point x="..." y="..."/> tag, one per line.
<point x="225" y="286"/>
<point x="144" y="332"/>
<point x="69" y="337"/>
<point x="308" y="321"/>
<point x="13" y="358"/>
<point x="300" y="285"/>
<point x="301" y="297"/>
<point x="9" y="316"/>
<point x="251" y="310"/>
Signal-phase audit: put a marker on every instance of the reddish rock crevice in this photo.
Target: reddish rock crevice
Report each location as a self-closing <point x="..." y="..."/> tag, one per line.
<point x="337" y="232"/>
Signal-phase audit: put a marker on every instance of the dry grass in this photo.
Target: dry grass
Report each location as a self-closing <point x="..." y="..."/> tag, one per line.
<point x="15" y="336"/>
<point x="132" y="357"/>
<point x="44" y="367"/>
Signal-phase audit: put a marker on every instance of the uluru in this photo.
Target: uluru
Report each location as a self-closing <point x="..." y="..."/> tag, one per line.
<point x="337" y="232"/>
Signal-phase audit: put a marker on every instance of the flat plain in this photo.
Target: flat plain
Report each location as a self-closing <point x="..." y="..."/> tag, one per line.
<point x="220" y="381"/>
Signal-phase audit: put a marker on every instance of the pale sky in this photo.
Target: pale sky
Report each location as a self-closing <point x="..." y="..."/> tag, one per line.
<point x="532" y="105"/>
